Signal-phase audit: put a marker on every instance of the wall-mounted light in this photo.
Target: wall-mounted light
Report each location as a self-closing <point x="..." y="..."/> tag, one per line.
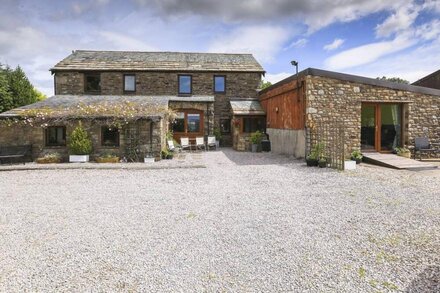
<point x="276" y="109"/>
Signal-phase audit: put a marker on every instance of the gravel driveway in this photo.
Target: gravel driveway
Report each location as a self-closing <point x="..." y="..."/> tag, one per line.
<point x="245" y="223"/>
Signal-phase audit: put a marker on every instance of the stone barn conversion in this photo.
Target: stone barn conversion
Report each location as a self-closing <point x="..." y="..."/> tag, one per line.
<point x="125" y="101"/>
<point x="372" y="115"/>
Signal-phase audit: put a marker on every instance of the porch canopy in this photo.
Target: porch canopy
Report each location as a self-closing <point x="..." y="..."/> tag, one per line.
<point x="251" y="107"/>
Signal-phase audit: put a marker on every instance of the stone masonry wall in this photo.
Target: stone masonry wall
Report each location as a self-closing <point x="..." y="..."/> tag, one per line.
<point x="335" y="99"/>
<point x="238" y="85"/>
<point x="24" y="135"/>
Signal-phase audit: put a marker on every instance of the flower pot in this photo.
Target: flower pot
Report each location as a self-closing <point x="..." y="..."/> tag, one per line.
<point x="312" y="162"/>
<point x="350" y="165"/>
<point x="217" y="144"/>
<point x="322" y="164"/>
<point x="148" y="160"/>
<point x="169" y="157"/>
<point x="48" y="160"/>
<point x="107" y="160"/>
<point x="357" y="160"/>
<point x="78" y="158"/>
<point x="405" y="155"/>
<point x="254" y="148"/>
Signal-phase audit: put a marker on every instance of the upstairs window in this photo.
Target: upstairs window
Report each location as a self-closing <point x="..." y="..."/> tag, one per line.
<point x="92" y="83"/>
<point x="219" y="84"/>
<point x="56" y="136"/>
<point x="129" y="83"/>
<point x="110" y="136"/>
<point x="185" y="84"/>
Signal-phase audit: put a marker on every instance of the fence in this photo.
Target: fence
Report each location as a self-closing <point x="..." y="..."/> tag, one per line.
<point x="331" y="133"/>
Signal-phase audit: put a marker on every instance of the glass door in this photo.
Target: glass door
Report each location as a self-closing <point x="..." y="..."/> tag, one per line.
<point x="368" y="127"/>
<point x="390" y="126"/>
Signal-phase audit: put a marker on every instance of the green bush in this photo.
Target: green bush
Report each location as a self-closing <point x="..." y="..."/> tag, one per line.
<point x="217" y="133"/>
<point x="356" y="155"/>
<point x="256" y="137"/>
<point x="80" y="143"/>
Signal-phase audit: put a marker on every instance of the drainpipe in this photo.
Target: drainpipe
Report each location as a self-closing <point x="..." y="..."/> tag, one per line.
<point x="151" y="137"/>
<point x="207" y="114"/>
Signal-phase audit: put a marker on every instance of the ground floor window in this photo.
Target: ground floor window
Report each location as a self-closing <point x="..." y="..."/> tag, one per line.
<point x="109" y="136"/>
<point x="188" y="121"/>
<point x="225" y="125"/>
<point x="56" y="136"/>
<point x="252" y="124"/>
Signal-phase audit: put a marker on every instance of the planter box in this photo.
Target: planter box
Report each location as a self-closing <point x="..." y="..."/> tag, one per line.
<point x="254" y="148"/>
<point x="405" y="155"/>
<point x="78" y="158"/>
<point x="48" y="160"/>
<point x="217" y="144"/>
<point x="107" y="160"/>
<point x="149" y="160"/>
<point x="349" y="165"/>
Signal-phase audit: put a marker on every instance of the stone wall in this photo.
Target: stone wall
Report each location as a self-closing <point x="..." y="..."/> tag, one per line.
<point x="341" y="100"/>
<point x="238" y="85"/>
<point x="23" y="135"/>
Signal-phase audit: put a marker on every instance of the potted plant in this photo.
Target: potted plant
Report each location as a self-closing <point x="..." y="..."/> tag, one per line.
<point x="218" y="136"/>
<point x="357" y="156"/>
<point x="256" y="139"/>
<point x="107" y="158"/>
<point x="322" y="162"/>
<point x="403" y="152"/>
<point x="165" y="154"/>
<point x="312" y="160"/>
<point x="149" y="158"/>
<point x="80" y="145"/>
<point x="50" y="158"/>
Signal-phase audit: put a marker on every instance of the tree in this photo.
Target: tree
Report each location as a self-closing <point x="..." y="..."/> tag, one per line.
<point x="393" y="79"/>
<point x="16" y="89"/>
<point x="265" y="84"/>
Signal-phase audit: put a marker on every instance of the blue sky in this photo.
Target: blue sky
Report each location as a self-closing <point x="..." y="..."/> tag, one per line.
<point x="365" y="37"/>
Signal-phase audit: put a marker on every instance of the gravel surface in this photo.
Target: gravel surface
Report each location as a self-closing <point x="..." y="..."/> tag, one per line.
<point x="245" y="223"/>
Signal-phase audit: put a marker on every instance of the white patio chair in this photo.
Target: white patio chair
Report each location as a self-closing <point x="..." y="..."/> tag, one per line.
<point x="211" y="142"/>
<point x="184" y="143"/>
<point x="200" y="143"/>
<point x="172" y="147"/>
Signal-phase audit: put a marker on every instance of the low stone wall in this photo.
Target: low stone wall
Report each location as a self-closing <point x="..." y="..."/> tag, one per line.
<point x="25" y="134"/>
<point x="288" y="142"/>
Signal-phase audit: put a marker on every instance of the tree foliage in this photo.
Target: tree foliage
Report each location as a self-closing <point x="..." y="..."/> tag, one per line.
<point x="80" y="143"/>
<point x="265" y="84"/>
<point x="16" y="89"/>
<point x="393" y="79"/>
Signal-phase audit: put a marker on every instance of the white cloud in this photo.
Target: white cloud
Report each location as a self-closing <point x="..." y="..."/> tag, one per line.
<point x="276" y="77"/>
<point x="400" y="20"/>
<point x="301" y="43"/>
<point x="262" y="41"/>
<point x="123" y="42"/>
<point x="368" y="53"/>
<point x="334" y="45"/>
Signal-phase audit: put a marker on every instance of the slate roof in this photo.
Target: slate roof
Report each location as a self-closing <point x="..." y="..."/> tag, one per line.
<point x="247" y="107"/>
<point x="70" y="101"/>
<point x="157" y="61"/>
<point x="435" y="73"/>
<point x="356" y="79"/>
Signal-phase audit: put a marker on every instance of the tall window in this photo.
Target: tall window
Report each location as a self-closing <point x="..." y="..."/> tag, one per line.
<point x="109" y="136"/>
<point x="219" y="84"/>
<point x="129" y="83"/>
<point x="56" y="136"/>
<point x="188" y="121"/>
<point x="252" y="124"/>
<point x="185" y="84"/>
<point x="92" y="83"/>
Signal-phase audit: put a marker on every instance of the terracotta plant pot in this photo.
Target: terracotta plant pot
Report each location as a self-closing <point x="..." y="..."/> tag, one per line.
<point x="107" y="160"/>
<point x="48" y="160"/>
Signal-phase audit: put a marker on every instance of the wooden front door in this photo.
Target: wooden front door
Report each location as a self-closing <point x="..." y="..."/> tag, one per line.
<point x="381" y="126"/>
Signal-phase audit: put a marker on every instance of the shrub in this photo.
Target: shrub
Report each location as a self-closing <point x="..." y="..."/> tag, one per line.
<point x="80" y="143"/>
<point x="356" y="155"/>
<point x="256" y="137"/>
<point x="217" y="133"/>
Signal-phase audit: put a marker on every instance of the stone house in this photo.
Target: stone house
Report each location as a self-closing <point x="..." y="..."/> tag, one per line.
<point x="368" y="114"/>
<point x="432" y="80"/>
<point x="193" y="88"/>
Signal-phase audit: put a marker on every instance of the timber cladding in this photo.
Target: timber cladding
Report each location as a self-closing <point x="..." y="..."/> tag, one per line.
<point x="285" y="106"/>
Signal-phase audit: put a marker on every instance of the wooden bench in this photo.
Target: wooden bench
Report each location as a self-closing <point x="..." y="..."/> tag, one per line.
<point x="15" y="153"/>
